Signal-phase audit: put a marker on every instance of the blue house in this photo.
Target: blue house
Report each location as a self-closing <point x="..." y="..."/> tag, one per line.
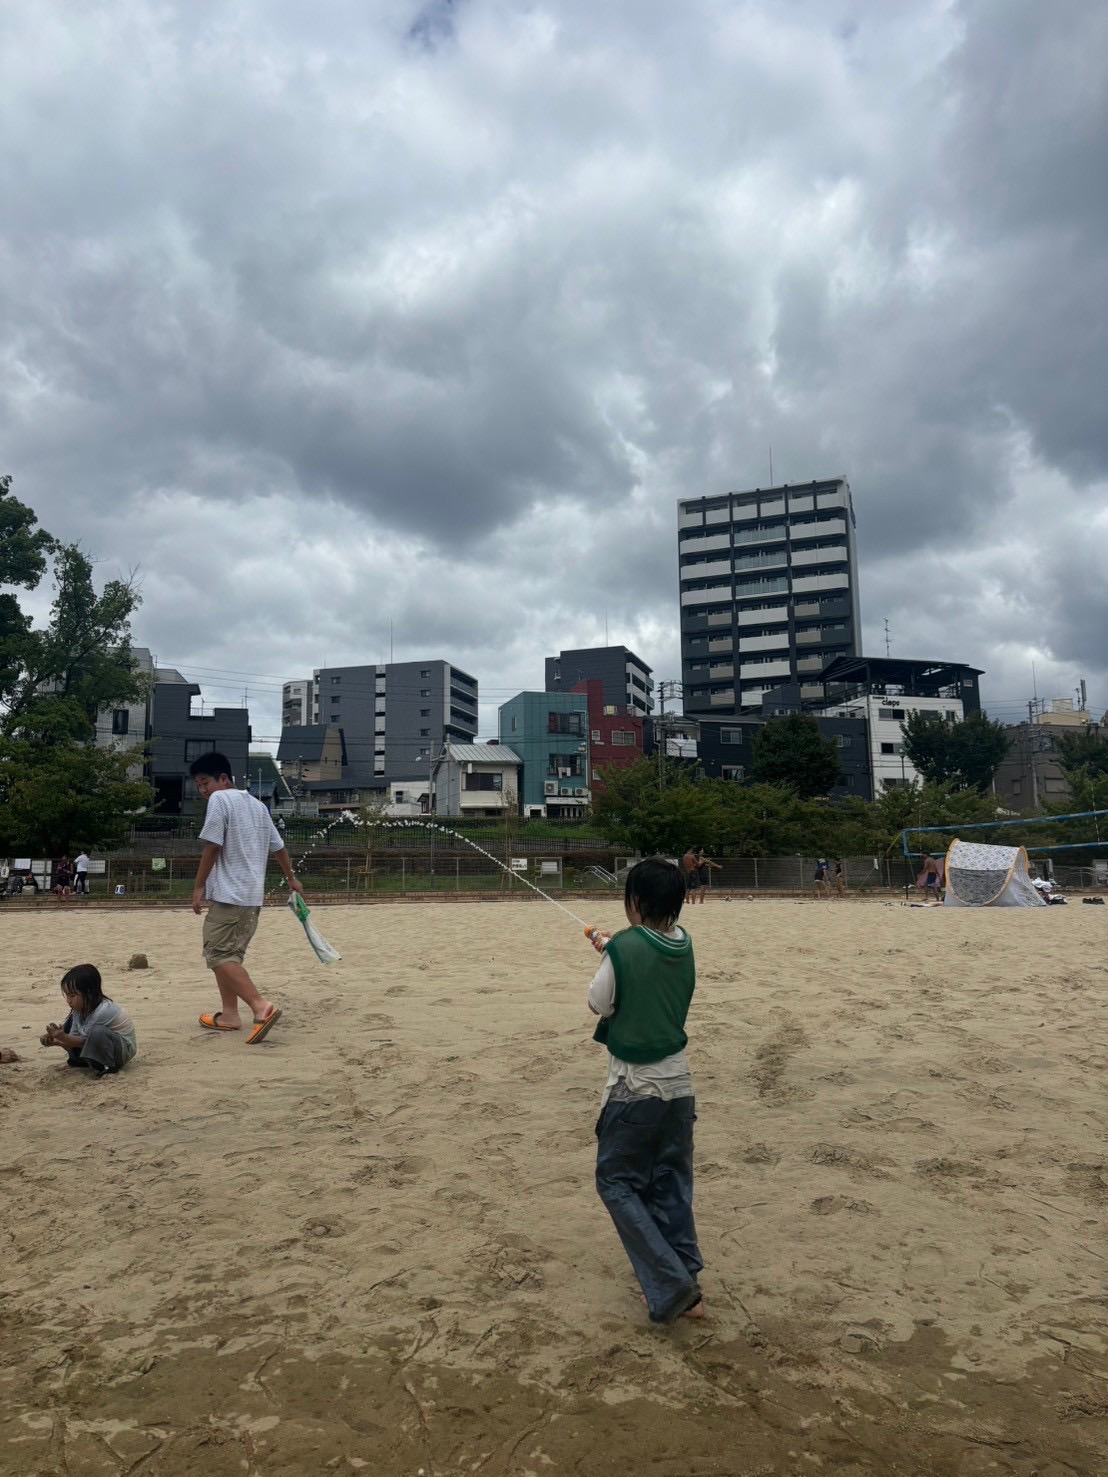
<point x="550" y="733"/>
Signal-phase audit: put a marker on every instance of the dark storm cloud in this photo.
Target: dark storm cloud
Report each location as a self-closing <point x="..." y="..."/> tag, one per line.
<point x="426" y="314"/>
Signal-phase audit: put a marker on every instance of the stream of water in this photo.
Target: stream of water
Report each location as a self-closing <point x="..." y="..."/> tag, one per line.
<point x="349" y="818"/>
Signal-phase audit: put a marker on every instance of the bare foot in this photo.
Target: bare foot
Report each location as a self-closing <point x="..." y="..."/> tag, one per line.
<point x="7" y="1056"/>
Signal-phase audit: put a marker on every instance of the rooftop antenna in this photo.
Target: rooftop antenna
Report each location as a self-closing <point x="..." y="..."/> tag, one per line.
<point x="888" y="639"/>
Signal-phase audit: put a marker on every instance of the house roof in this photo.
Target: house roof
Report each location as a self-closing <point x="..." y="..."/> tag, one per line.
<point x="483" y="754"/>
<point x="303" y="741"/>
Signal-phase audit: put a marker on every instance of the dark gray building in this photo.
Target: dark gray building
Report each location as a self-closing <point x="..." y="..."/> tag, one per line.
<point x="769" y="592"/>
<point x="395" y="717"/>
<point x="178" y="735"/>
<point x="627" y="679"/>
<point x="725" y="746"/>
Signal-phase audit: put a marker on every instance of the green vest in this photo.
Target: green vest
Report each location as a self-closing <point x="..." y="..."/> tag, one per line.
<point x="655" y="979"/>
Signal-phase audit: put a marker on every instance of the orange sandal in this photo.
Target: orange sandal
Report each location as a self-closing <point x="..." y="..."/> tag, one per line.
<point x="211" y="1021"/>
<point x="261" y="1028"/>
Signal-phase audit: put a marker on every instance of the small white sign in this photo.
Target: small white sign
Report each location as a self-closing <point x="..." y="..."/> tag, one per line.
<point x="518" y="864"/>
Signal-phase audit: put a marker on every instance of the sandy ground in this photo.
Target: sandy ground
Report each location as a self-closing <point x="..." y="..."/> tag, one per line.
<point x="372" y="1244"/>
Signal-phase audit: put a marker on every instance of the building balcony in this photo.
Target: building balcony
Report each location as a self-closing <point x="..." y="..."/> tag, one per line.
<point x="773" y="560"/>
<point x="705" y="543"/>
<point x="804" y="584"/>
<point x="801" y="557"/>
<point x="776" y="615"/>
<point x="722" y="674"/>
<point x="713" y="596"/>
<point x="810" y="664"/>
<point x="808" y="638"/>
<point x="758" y="671"/>
<point x="722" y="699"/>
<point x="720" y="643"/>
<point x="765" y="643"/>
<point x="720" y="618"/>
<point x="706" y="570"/>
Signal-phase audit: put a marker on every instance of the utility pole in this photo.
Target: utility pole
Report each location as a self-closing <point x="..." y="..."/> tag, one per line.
<point x="665" y="689"/>
<point x="888" y="640"/>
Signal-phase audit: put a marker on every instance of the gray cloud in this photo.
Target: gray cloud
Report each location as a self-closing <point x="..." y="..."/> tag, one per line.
<point x="426" y="314"/>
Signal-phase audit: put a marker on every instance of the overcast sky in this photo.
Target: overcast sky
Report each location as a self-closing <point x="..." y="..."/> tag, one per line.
<point x="337" y="317"/>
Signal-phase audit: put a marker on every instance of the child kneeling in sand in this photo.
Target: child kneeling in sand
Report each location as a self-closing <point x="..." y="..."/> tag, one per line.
<point x="644" y="1157"/>
<point x="98" y="1034"/>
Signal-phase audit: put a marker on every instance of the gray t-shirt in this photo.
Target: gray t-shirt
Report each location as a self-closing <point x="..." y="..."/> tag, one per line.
<point x="240" y="825"/>
<point x="109" y="1015"/>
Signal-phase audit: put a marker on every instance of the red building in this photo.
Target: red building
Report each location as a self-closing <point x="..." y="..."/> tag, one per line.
<point x="615" y="734"/>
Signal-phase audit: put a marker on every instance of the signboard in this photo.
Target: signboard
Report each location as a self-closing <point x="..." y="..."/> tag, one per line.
<point x="518" y="864"/>
<point x="681" y="748"/>
<point x="97" y="868"/>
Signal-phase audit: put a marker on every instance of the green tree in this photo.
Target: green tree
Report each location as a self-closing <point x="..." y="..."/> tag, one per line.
<point x="56" y="787"/>
<point x="1082" y="755"/>
<point x="792" y="751"/>
<point x="964" y="753"/>
<point x="634" y="811"/>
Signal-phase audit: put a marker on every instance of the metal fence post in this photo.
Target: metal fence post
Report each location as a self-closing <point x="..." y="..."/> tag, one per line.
<point x="755" y="872"/>
<point x="403" y="876"/>
<point x="457" y="874"/>
<point x="347" y="879"/>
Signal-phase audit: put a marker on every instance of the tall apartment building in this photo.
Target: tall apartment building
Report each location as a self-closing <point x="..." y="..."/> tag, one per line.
<point x="297" y="704"/>
<point x="395" y="718"/>
<point x="626" y="678"/>
<point x="769" y="592"/>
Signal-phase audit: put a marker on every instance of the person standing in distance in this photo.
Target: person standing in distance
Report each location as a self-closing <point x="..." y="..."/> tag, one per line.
<point x="231" y="880"/>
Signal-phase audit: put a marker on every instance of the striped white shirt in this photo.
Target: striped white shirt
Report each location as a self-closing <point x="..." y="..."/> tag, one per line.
<point x="242" y="828"/>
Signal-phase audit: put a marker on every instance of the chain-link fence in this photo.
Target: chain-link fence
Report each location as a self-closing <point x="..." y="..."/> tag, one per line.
<point x="403" y="866"/>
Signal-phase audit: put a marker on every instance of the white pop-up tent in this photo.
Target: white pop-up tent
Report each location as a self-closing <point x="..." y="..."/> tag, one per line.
<point x="988" y="877"/>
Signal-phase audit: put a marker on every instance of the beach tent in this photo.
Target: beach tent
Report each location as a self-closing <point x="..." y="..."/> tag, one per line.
<point x="988" y="877"/>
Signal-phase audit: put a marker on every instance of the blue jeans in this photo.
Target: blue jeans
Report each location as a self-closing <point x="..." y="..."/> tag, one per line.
<point x="644" y="1175"/>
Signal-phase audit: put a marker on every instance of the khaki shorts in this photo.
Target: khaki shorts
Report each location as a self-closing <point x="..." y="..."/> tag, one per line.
<point x="227" y="933"/>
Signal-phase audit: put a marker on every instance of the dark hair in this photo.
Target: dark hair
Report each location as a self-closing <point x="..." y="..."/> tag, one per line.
<point x="213" y="765"/>
<point x="655" y="888"/>
<point x="84" y="980"/>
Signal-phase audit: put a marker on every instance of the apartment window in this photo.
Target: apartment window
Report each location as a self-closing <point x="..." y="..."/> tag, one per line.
<point x="892" y="715"/>
<point x="424" y="754"/>
<point x="425" y="733"/>
<point x="399" y="797"/>
<point x="596" y="736"/>
<point x="733" y="772"/>
<point x="425" y="712"/>
<point x="425" y="672"/>
<point x="621" y="738"/>
<point x="425" y="692"/>
<point x="195" y="747"/>
<point x="950" y="715"/>
<point x="513" y="723"/>
<point x="891" y="748"/>
<point x="335" y="681"/>
<point x="730" y="735"/>
<point x="120" y="721"/>
<point x="565" y="723"/>
<point x="1017" y="787"/>
<point x="843" y="740"/>
<point x="484" y="782"/>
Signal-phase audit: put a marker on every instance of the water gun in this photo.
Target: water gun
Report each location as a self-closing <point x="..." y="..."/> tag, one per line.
<point x="597" y="937"/>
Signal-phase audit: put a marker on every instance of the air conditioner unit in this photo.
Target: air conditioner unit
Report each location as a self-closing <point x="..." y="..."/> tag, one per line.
<point x="550" y="787"/>
<point x="565" y="791"/>
<point x="582" y="748"/>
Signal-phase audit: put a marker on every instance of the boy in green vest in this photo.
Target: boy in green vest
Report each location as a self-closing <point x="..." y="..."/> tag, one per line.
<point x="644" y="1157"/>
